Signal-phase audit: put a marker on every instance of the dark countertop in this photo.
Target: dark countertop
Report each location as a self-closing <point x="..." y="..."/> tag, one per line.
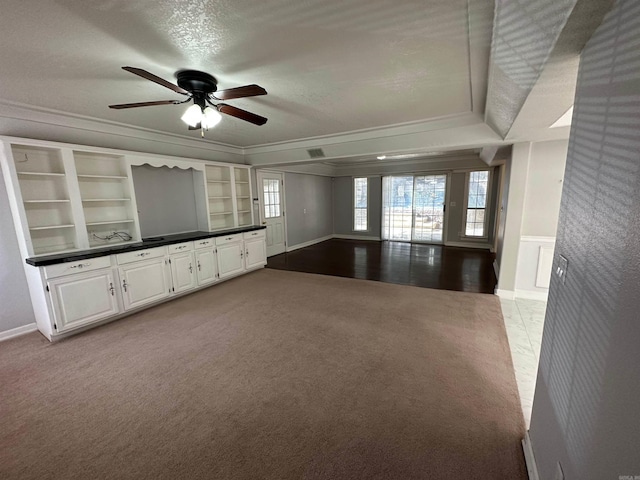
<point x="158" y="241"/>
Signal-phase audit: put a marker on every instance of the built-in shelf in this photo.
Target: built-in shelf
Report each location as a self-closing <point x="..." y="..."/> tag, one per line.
<point x="107" y="177"/>
<point x="218" y="198"/>
<point x="242" y="183"/>
<point x="51" y="227"/>
<point x="108" y="222"/>
<point x="221" y="213"/>
<point x="47" y="201"/>
<point x="106" y="199"/>
<point x="42" y="174"/>
<point x="244" y="211"/>
<point x="218" y="181"/>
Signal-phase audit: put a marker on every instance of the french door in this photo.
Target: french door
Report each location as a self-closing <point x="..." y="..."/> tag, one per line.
<point x="413" y="208"/>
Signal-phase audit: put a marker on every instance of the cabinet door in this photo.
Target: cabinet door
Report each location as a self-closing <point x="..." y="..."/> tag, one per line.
<point x="144" y="282"/>
<point x="255" y="253"/>
<point x="83" y="298"/>
<point x="206" y="267"/>
<point x="182" y="273"/>
<point x="230" y="259"/>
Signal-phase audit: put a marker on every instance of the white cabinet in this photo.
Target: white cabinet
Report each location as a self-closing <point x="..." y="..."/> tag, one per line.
<point x="255" y="252"/>
<point x="230" y="259"/>
<point x="83" y="298"/>
<point x="182" y="272"/>
<point x="206" y="266"/>
<point x="144" y="282"/>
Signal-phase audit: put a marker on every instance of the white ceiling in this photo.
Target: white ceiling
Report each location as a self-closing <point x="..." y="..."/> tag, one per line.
<point x="357" y="78"/>
<point x="329" y="66"/>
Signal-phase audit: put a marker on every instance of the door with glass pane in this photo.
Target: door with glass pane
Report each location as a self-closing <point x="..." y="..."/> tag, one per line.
<point x="270" y="188"/>
<point x="413" y="208"/>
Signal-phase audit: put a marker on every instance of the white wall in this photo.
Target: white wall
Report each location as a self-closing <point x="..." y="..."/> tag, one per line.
<point x="586" y="409"/>
<point x="15" y="303"/>
<point x="535" y="188"/>
<point x="544" y="188"/>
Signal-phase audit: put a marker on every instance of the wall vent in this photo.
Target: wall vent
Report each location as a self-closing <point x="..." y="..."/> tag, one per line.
<point x="315" y="153"/>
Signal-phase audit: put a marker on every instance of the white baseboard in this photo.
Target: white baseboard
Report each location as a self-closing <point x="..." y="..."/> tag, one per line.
<point x="530" y="460"/>
<point x="16" y="332"/>
<point x="356" y="237"/>
<point x="506" y="294"/>
<point x="484" y="246"/>
<point x="496" y="269"/>
<point x="532" y="295"/>
<point x="309" y="243"/>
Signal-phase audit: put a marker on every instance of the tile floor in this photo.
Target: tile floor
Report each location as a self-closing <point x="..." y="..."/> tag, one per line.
<point x="524" y="320"/>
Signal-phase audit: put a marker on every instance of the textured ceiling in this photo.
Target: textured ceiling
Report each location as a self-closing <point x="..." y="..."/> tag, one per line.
<point x="329" y="66"/>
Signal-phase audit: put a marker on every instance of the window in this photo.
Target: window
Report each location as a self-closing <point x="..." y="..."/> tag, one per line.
<point x="271" y="191"/>
<point x="360" y="202"/>
<point x="477" y="187"/>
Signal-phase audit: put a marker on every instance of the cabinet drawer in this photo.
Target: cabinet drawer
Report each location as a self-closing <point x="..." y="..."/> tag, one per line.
<point x="254" y="234"/>
<point x="204" y="243"/>
<point x="60" y="269"/>
<point x="129" y="257"/>
<point x="180" y="247"/>
<point x="229" y="239"/>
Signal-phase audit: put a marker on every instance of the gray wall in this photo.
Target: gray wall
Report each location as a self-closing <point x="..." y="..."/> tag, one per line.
<point x="313" y="194"/>
<point x="544" y="188"/>
<point x="343" y="207"/>
<point x="586" y="410"/>
<point x="166" y="200"/>
<point x="15" y="303"/>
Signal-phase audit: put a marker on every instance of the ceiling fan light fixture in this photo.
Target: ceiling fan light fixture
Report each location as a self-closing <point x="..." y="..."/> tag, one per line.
<point x="211" y="117"/>
<point x="193" y="115"/>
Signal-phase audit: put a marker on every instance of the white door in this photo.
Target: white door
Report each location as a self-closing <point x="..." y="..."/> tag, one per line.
<point x="271" y="193"/>
<point x="182" y="272"/>
<point x="83" y="298"/>
<point x="206" y="268"/>
<point x="230" y="259"/>
<point x="144" y="282"/>
<point x="255" y="253"/>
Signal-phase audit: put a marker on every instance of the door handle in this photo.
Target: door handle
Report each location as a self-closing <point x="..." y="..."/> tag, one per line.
<point x="111" y="289"/>
<point x="190" y="268"/>
<point x="124" y="285"/>
<point x="199" y="269"/>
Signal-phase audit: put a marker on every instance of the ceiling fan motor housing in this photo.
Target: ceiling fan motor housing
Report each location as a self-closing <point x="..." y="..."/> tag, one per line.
<point x="195" y="81"/>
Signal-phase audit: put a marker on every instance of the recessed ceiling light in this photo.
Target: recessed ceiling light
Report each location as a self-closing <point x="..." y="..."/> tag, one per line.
<point x="381" y="157"/>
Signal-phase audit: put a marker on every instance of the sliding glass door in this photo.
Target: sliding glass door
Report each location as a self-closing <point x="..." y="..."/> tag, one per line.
<point x="413" y="208"/>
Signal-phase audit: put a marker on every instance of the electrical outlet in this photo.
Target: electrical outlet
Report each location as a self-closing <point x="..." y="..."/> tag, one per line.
<point x="559" y="473"/>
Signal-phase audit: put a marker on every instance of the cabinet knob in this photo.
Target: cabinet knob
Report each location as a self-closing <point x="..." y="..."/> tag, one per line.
<point x="81" y="265"/>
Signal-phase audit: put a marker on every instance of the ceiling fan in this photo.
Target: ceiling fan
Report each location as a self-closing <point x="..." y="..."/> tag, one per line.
<point x="202" y="88"/>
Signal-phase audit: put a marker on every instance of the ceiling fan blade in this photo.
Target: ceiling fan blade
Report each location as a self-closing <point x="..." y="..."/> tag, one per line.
<point x="241" y="114"/>
<point x="239" y="92"/>
<point x="144" y="104"/>
<point x="154" y="78"/>
<point x="197" y="127"/>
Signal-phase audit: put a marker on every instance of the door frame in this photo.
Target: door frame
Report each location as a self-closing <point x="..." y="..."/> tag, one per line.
<point x="283" y="192"/>
<point x="445" y="217"/>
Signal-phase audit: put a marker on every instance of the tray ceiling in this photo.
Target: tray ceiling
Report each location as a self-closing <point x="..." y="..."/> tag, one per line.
<point x="329" y="66"/>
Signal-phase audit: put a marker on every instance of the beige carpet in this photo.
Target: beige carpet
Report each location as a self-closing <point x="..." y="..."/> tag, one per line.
<point x="274" y="375"/>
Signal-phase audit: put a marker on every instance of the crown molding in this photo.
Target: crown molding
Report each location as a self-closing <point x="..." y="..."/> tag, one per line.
<point x="16" y="112"/>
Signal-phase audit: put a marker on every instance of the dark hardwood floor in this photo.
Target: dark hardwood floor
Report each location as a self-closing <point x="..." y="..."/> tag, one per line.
<point x="431" y="266"/>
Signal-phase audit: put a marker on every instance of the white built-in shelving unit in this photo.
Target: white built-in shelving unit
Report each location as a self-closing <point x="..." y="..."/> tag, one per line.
<point x="220" y="197"/>
<point x="243" y="196"/>
<point x="70" y="197"/>
<point x="106" y="194"/>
